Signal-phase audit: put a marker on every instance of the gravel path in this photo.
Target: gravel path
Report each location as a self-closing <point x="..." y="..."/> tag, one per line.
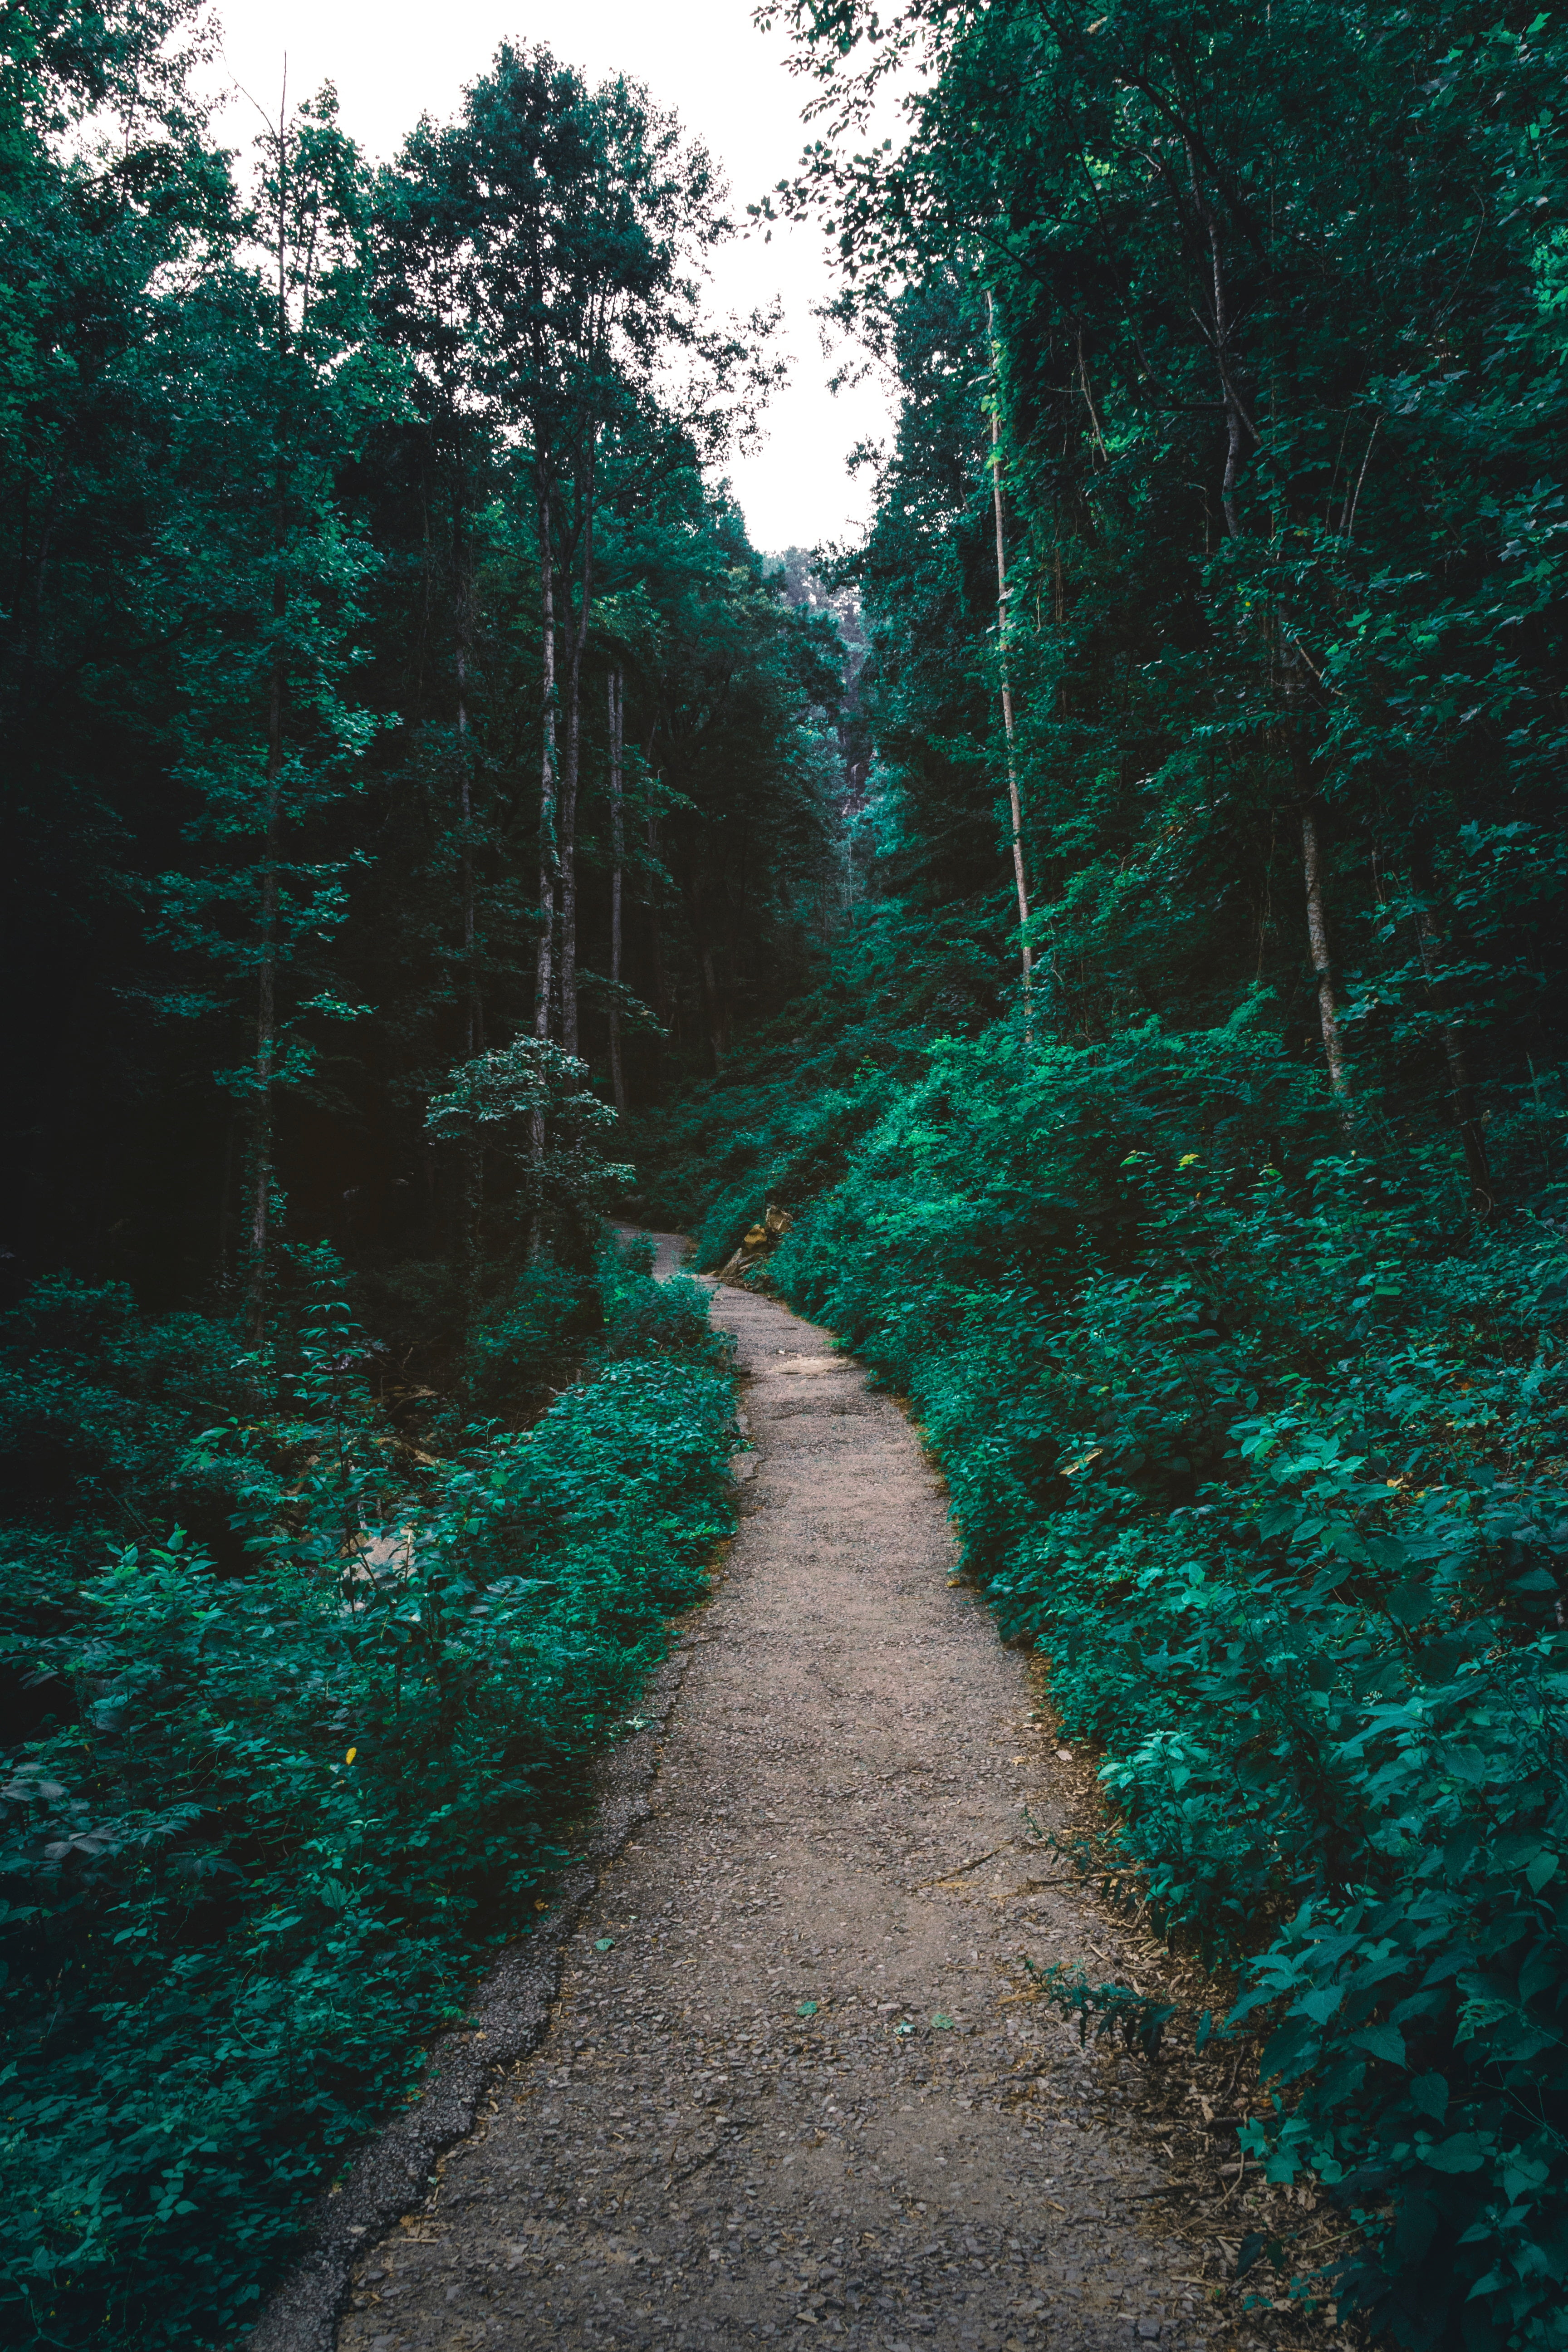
<point x="785" y="2094"/>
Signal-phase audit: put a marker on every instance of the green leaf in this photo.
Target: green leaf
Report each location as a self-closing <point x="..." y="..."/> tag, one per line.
<point x="1385" y="2042"/>
<point x="1462" y="2152"/>
<point x="1320" y="2005"/>
<point x="1429" y="2097"/>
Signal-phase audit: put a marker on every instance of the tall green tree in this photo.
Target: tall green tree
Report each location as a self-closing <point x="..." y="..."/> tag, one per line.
<point x="282" y="386"/>
<point x="570" y="214"/>
<point x="113" y="198"/>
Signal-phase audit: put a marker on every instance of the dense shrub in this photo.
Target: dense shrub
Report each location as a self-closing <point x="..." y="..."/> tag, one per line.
<point x="282" y="1805"/>
<point x="517" y="1341"/>
<point x="98" y="1404"/>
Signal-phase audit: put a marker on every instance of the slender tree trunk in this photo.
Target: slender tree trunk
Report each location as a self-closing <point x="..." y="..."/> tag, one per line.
<point x="1461" y="1094"/>
<point x="1312" y="872"/>
<point x="261" y="1131"/>
<point x="1317" y="941"/>
<point x="261" y="1127"/>
<point x="548" y="859"/>
<point x="570" y="769"/>
<point x="549" y="863"/>
<point x="714" y="1003"/>
<point x="661" y="977"/>
<point x="267" y="1001"/>
<point x="617" y="856"/>
<point x="1238" y="425"/>
<point x="476" y="1018"/>
<point x="1014" y="798"/>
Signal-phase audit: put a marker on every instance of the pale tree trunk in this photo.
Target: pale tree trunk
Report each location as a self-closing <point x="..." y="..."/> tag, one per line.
<point x="475" y="1010"/>
<point x="1322" y="966"/>
<point x="1238" y="423"/>
<point x="261" y="1134"/>
<point x="267" y="996"/>
<point x="1014" y="801"/>
<point x="713" y="1000"/>
<point x="661" y="977"/>
<point x="476" y="1023"/>
<point x="549" y="863"/>
<point x="618" y="853"/>
<point x="1312" y="876"/>
<point x="570" y="769"/>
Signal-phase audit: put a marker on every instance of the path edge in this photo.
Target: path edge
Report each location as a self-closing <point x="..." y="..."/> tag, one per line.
<point x="508" y="2017"/>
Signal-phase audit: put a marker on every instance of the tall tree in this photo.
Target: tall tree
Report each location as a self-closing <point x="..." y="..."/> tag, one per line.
<point x="571" y="212"/>
<point x="114" y="200"/>
<point x="271" y="736"/>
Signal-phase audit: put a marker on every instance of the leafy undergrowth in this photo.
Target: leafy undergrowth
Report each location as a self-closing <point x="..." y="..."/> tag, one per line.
<point x="283" y="1799"/>
<point x="1260" y="1442"/>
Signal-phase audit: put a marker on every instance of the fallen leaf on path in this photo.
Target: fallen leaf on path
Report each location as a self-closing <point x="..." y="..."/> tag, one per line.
<point x="604" y="1943"/>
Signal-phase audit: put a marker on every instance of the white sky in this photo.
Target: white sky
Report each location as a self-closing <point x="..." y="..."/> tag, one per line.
<point x="393" y="59"/>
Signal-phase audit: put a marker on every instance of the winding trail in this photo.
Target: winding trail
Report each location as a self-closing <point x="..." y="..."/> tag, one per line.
<point x="845" y="1812"/>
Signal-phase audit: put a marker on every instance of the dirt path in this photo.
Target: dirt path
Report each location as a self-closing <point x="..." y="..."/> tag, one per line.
<point x="696" y="2154"/>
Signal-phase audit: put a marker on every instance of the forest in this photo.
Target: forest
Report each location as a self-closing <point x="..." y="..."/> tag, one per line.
<point x="1113" y="909"/>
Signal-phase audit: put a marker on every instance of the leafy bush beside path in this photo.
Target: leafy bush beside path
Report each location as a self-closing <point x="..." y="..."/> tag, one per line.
<point x="282" y="1802"/>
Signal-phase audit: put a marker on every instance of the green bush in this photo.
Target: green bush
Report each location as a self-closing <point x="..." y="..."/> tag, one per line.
<point x="280" y="1811"/>
<point x="517" y="1342"/>
<point x="98" y="1404"/>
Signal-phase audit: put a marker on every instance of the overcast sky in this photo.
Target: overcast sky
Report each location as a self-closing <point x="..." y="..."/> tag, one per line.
<point x="392" y="61"/>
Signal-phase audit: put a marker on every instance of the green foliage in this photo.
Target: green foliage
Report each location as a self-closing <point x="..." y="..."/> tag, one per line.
<point x="528" y="1103"/>
<point x="278" y="1809"/>
<point x="1108" y="2011"/>
<point x="516" y="1343"/>
<point x="659" y="1318"/>
<point x="96" y="1400"/>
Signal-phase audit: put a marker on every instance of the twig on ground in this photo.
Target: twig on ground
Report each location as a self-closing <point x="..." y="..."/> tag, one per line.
<point x="972" y="1863"/>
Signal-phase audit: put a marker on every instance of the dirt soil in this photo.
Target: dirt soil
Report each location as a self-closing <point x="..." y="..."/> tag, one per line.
<point x="790" y="2090"/>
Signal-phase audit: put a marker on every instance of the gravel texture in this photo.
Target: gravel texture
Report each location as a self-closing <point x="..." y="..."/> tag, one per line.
<point x="788" y="2089"/>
